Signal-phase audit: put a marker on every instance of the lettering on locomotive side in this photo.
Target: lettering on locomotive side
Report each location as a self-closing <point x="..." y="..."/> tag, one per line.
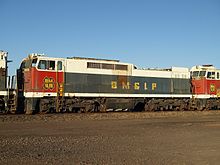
<point x="48" y="83"/>
<point x="135" y="85"/>
<point x="114" y="85"/>
<point x="154" y="86"/>
<point x="218" y="92"/>
<point x="125" y="85"/>
<point x="212" y="87"/>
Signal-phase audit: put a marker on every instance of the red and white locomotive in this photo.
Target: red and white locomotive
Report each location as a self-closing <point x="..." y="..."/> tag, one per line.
<point x="206" y="86"/>
<point x="205" y="81"/>
<point x="89" y="84"/>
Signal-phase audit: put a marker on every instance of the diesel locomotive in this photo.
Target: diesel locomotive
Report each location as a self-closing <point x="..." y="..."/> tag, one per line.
<point x="75" y="84"/>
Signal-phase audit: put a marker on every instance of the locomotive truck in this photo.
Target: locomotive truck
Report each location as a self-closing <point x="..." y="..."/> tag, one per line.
<point x="76" y="84"/>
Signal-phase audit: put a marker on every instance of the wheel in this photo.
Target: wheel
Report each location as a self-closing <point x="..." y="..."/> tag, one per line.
<point x="43" y="107"/>
<point x="150" y="107"/>
<point x="89" y="108"/>
<point x="28" y="107"/>
<point x="200" y="106"/>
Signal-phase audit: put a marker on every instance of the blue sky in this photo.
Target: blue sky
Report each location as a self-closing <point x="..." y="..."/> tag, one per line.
<point x="147" y="33"/>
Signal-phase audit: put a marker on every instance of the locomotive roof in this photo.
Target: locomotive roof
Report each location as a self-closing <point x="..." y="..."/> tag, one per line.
<point x="177" y="69"/>
<point x="203" y="67"/>
<point x="96" y="59"/>
<point x="74" y="58"/>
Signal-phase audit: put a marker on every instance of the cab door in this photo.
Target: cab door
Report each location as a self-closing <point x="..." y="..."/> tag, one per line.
<point x="49" y="76"/>
<point x="60" y="77"/>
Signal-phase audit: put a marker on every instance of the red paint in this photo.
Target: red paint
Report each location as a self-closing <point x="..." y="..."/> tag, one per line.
<point x="206" y="86"/>
<point x="42" y="81"/>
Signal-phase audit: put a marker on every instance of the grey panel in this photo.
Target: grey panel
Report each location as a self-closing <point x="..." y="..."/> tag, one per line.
<point x="181" y="86"/>
<point x="2" y="79"/>
<point x="93" y="83"/>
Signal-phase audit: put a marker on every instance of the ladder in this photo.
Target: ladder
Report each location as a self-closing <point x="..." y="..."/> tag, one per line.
<point x="11" y="102"/>
<point x="60" y="87"/>
<point x="59" y="98"/>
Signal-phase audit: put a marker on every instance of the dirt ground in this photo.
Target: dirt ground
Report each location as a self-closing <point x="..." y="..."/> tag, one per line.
<point x="111" y="138"/>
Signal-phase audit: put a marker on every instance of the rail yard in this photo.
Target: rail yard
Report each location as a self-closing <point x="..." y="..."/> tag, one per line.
<point x="146" y="116"/>
<point x="189" y="137"/>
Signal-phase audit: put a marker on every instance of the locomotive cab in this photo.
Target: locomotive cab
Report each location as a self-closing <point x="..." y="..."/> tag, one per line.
<point x="38" y="77"/>
<point x="205" y="81"/>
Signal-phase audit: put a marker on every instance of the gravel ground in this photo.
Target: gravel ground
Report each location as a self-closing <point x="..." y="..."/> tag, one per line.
<point x="111" y="138"/>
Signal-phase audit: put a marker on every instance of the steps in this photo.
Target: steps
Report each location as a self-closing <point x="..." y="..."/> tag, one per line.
<point x="12" y="100"/>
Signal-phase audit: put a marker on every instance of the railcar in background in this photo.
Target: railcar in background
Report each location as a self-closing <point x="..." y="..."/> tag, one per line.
<point x="7" y="93"/>
<point x="88" y="84"/>
<point x="3" y="80"/>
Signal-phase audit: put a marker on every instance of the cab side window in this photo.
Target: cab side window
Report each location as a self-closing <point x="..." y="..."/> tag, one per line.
<point x="46" y="65"/>
<point x="218" y="75"/>
<point x="59" y="65"/>
<point x="42" y="64"/>
<point x="51" y="65"/>
<point x="211" y="75"/>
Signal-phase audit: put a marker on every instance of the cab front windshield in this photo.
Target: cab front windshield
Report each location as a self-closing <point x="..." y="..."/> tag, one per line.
<point x="198" y="74"/>
<point x="28" y="63"/>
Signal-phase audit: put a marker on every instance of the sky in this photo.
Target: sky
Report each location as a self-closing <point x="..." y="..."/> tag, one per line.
<point x="146" y="33"/>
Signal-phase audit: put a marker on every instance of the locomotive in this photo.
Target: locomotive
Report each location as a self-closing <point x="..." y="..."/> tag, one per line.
<point x="76" y="84"/>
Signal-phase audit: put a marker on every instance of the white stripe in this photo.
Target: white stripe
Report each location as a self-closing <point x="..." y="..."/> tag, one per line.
<point x="39" y="94"/>
<point x="3" y="93"/>
<point x="125" y="95"/>
<point x="43" y="94"/>
<point x="205" y="96"/>
<point x="50" y="94"/>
